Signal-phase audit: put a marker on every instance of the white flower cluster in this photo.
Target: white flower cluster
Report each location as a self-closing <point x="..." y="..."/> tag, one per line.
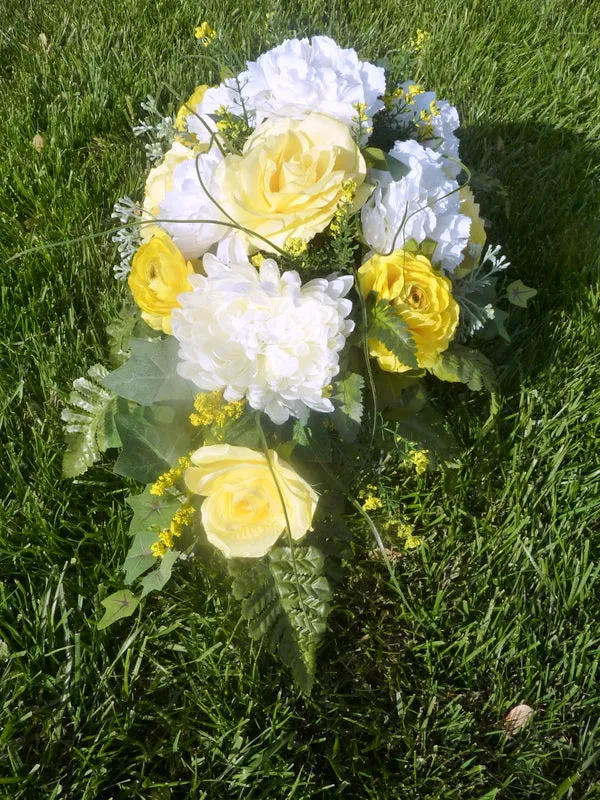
<point x="263" y="336"/>
<point x="310" y="106"/>
<point x="422" y="205"/>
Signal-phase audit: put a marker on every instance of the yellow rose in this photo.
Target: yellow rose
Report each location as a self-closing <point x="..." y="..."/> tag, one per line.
<point x="159" y="274"/>
<point x="158" y="183"/>
<point x="477" y="235"/>
<point x="242" y="514"/>
<point x="184" y="112"/>
<point x="290" y="178"/>
<point x="421" y="296"/>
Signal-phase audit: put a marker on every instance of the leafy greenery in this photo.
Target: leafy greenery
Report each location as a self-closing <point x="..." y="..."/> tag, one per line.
<point x="118" y="606"/>
<point x="348" y="404"/>
<point x="89" y="425"/>
<point x="285" y="600"/>
<point x="389" y="328"/>
<point x="500" y="601"/>
<point x="464" y="365"/>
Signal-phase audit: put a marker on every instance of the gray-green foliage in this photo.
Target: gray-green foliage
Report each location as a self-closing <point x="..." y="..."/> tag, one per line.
<point x="286" y="601"/>
<point x="89" y="422"/>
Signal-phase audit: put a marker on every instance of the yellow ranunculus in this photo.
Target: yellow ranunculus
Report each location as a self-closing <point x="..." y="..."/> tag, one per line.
<point x="158" y="183"/>
<point x="290" y="178"/>
<point x="421" y="296"/>
<point x="159" y="273"/>
<point x="477" y="235"/>
<point x="242" y="513"/>
<point x="184" y="112"/>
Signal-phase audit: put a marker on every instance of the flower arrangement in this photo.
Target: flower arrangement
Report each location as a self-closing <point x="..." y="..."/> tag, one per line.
<point x="306" y="256"/>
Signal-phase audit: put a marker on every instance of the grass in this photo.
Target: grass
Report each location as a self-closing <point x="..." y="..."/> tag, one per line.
<point x="501" y="600"/>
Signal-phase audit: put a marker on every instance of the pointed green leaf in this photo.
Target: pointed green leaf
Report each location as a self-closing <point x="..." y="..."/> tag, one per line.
<point x="155" y="580"/>
<point x="426" y="428"/>
<point x="150" y="375"/>
<point x="150" y="447"/>
<point x="396" y="168"/>
<point x="151" y="513"/>
<point x="375" y="158"/>
<point x="518" y="294"/>
<point x="387" y="326"/>
<point x="348" y="404"/>
<point x="119" y="605"/>
<point x="139" y="558"/>
<point x="459" y="364"/>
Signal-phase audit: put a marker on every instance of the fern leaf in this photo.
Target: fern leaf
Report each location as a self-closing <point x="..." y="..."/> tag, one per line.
<point x="90" y="406"/>
<point x="286" y="602"/>
<point x="387" y="326"/>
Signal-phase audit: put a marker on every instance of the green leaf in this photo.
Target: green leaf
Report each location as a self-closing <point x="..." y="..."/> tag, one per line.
<point x="150" y="447"/>
<point x="155" y="580"/>
<point x="120" y="331"/>
<point x="119" y="605"/>
<point x="150" y="375"/>
<point x="348" y="405"/>
<point x="459" y="364"/>
<point x="151" y="513"/>
<point x="139" y="558"/>
<point x="286" y="602"/>
<point x="390" y="386"/>
<point x="88" y="423"/>
<point x="396" y="168"/>
<point x="389" y="328"/>
<point x="518" y="294"/>
<point x="375" y="158"/>
<point x="313" y="438"/>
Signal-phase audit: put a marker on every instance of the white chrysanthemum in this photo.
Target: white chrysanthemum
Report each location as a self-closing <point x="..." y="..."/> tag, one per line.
<point x="424" y="204"/>
<point x="263" y="336"/>
<point x="436" y="122"/>
<point x="300" y="76"/>
<point x="187" y="200"/>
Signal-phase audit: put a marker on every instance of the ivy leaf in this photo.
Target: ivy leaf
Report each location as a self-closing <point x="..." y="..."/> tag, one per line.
<point x="150" y="512"/>
<point x="88" y="423"/>
<point x="286" y="602"/>
<point x="389" y="328"/>
<point x="348" y="405"/>
<point x="150" y="375"/>
<point x="139" y="558"/>
<point x="149" y="446"/>
<point x="518" y="294"/>
<point x="119" y="605"/>
<point x="155" y="580"/>
<point x="459" y="364"/>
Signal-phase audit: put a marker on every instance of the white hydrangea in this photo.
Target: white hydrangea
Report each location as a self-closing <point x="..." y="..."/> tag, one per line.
<point x="300" y="76"/>
<point x="187" y="200"/>
<point x="263" y="336"/>
<point x="436" y="130"/>
<point x="424" y="204"/>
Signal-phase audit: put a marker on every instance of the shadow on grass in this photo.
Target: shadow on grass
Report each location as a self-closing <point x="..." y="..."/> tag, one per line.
<point x="539" y="189"/>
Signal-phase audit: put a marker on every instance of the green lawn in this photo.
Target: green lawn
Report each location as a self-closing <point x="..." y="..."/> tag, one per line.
<point x="500" y="602"/>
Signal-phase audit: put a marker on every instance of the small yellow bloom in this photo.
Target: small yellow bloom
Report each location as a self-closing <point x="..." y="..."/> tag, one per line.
<point x="295" y="246"/>
<point x="211" y="409"/>
<point x="421" y="296"/>
<point x="170" y="477"/>
<point x="158" y="549"/>
<point x="205" y="34"/>
<point x="242" y="514"/>
<point x="159" y="274"/>
<point x="418" y="40"/>
<point x="372" y="503"/>
<point x="257" y="260"/>
<point x="419" y="459"/>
